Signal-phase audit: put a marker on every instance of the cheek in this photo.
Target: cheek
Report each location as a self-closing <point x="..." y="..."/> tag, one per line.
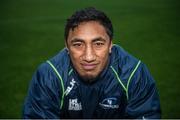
<point x="103" y="57"/>
<point x="75" y="57"/>
<point x="103" y="54"/>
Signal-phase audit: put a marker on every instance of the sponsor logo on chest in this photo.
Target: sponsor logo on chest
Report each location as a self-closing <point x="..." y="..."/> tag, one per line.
<point x="109" y="103"/>
<point x="74" y="105"/>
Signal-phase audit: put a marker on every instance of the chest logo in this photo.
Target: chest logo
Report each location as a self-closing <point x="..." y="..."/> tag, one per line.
<point x="109" y="103"/>
<point x="70" y="87"/>
<point x="74" y="105"/>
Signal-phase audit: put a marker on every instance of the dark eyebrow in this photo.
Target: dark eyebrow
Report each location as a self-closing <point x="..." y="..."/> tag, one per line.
<point x="99" y="39"/>
<point x="94" y="40"/>
<point x="76" y="40"/>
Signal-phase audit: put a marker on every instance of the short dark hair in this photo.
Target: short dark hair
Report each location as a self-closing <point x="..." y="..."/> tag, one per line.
<point x="85" y="15"/>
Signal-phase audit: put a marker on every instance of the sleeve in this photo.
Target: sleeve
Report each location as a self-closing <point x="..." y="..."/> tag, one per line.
<point x="43" y="98"/>
<point x="143" y="101"/>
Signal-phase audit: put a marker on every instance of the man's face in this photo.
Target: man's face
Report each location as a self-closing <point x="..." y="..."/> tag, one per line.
<point x="89" y="46"/>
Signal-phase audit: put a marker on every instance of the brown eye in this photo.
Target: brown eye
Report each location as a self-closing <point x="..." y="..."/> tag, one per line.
<point x="99" y="44"/>
<point x="77" y="44"/>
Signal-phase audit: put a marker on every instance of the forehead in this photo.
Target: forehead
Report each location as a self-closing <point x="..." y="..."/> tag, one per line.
<point x="88" y="30"/>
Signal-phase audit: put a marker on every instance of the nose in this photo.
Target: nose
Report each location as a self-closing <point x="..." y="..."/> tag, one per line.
<point x="89" y="54"/>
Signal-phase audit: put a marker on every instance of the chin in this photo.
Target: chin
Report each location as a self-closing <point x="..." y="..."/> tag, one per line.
<point x="89" y="78"/>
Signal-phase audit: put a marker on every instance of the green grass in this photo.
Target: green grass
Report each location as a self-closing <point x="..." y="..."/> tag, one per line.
<point x="31" y="31"/>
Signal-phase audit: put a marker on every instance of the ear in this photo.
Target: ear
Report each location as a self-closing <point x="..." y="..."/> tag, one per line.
<point x="110" y="46"/>
<point x="66" y="46"/>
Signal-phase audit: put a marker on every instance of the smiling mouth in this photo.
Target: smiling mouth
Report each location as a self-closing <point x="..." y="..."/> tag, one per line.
<point x="89" y="67"/>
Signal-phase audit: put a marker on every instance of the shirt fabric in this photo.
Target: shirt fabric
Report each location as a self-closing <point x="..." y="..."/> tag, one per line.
<point x="124" y="89"/>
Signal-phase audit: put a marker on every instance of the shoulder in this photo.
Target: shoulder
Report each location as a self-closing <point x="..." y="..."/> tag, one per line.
<point x="61" y="60"/>
<point x="142" y="76"/>
<point x="45" y="73"/>
<point x="122" y="61"/>
<point x="132" y="72"/>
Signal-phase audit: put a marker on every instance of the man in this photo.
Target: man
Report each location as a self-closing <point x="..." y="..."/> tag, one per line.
<point x="91" y="77"/>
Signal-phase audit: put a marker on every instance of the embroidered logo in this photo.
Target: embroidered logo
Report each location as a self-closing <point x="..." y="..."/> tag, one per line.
<point x="109" y="103"/>
<point x="74" y="105"/>
<point x="69" y="88"/>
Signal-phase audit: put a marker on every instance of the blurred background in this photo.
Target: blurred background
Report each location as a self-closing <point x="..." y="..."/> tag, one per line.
<point x="31" y="31"/>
